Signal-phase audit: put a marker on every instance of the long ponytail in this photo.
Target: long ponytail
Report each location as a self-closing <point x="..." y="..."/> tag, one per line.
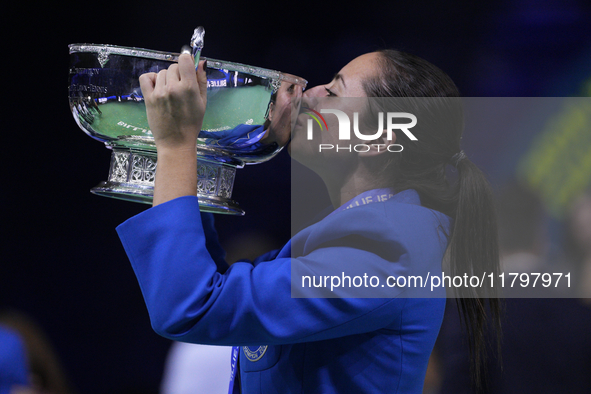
<point x="473" y="250"/>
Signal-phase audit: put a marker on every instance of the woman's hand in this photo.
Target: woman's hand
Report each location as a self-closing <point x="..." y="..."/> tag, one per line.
<point x="175" y="104"/>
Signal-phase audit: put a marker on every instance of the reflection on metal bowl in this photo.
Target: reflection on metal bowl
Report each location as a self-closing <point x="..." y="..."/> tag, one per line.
<point x="107" y="104"/>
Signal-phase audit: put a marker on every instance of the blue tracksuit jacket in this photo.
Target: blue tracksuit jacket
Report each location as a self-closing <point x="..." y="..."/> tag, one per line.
<point x="290" y="343"/>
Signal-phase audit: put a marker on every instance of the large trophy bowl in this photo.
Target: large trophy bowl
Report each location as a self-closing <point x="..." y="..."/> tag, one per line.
<point x="107" y="104"/>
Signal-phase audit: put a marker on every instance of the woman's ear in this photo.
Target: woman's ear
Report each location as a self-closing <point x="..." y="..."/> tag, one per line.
<point x="378" y="146"/>
<point x="271" y="107"/>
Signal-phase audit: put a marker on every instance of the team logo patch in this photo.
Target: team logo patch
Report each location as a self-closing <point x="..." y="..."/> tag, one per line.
<point x="254" y="353"/>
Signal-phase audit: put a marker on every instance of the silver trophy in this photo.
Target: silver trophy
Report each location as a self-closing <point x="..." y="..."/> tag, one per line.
<point x="107" y="104"/>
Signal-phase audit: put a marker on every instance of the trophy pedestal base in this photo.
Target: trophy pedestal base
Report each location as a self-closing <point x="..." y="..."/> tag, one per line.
<point x="145" y="195"/>
<point x="132" y="173"/>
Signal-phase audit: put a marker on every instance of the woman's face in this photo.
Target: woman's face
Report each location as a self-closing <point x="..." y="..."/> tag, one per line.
<point x="337" y="94"/>
<point x="349" y="81"/>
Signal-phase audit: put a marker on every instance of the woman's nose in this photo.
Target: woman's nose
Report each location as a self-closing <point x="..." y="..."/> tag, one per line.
<point x="316" y="91"/>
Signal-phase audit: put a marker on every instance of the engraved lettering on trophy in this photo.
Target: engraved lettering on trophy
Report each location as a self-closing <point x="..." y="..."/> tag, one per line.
<point x="88" y="88"/>
<point x="134" y="128"/>
<point x="85" y="71"/>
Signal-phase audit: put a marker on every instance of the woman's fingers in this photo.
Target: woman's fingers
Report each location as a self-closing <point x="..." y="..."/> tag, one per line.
<point x="202" y="80"/>
<point x="184" y="72"/>
<point x="186" y="68"/>
<point x="172" y="74"/>
<point x="160" y="80"/>
<point x="147" y="83"/>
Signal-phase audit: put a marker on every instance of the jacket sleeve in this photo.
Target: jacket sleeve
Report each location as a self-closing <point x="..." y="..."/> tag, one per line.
<point x="189" y="300"/>
<point x="212" y="243"/>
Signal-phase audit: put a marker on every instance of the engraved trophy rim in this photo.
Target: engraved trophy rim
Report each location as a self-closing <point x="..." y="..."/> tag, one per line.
<point x="108" y="49"/>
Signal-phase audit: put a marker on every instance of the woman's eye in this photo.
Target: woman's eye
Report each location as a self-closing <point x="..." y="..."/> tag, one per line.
<point x="330" y="93"/>
<point x="291" y="88"/>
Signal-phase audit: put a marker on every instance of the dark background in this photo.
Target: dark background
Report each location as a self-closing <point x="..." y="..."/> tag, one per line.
<point x="62" y="263"/>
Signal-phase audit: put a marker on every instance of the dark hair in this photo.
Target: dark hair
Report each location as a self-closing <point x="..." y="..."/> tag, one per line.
<point x="423" y="166"/>
<point x="45" y="369"/>
<point x="272" y="100"/>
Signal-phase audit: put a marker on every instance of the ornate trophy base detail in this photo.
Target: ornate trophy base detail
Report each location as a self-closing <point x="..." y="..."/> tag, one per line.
<point x="132" y="173"/>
